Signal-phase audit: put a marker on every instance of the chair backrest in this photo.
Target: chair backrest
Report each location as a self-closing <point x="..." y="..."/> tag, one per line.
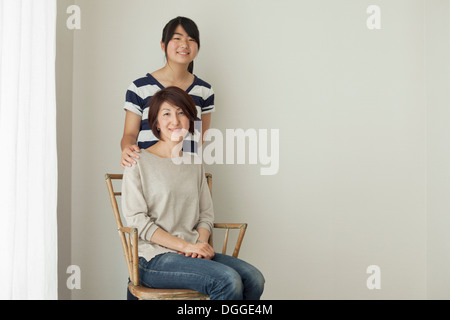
<point x="113" y="194"/>
<point x="129" y="238"/>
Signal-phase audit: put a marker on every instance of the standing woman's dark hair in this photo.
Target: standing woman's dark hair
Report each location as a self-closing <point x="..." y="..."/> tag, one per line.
<point x="189" y="26"/>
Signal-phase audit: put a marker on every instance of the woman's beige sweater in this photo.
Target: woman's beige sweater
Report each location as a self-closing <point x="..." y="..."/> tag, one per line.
<point x="159" y="193"/>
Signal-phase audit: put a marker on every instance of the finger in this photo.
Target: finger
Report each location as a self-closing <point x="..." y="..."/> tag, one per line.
<point x="129" y="160"/>
<point x="132" y="154"/>
<point x="207" y="250"/>
<point x="210" y="250"/>
<point x="124" y="163"/>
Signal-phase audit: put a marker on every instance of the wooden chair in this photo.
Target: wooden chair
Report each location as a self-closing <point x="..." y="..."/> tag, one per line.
<point x="129" y="240"/>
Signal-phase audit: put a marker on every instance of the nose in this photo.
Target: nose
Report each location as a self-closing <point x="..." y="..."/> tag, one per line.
<point x="184" y="43"/>
<point x="175" y="120"/>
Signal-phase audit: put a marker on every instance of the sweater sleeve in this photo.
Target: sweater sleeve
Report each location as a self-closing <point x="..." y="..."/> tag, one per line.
<point x="206" y="213"/>
<point x="134" y="206"/>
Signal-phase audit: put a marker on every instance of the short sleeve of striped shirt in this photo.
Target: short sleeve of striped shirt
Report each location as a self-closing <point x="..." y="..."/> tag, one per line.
<point x="203" y="96"/>
<point x="140" y="92"/>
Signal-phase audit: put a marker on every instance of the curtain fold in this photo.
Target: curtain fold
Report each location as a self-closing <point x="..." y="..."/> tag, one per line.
<point x="28" y="159"/>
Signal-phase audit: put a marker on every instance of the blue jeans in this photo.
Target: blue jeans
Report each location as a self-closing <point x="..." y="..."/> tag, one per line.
<point x="222" y="278"/>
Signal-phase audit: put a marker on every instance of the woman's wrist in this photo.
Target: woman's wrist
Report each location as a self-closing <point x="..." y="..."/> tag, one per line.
<point x="203" y="235"/>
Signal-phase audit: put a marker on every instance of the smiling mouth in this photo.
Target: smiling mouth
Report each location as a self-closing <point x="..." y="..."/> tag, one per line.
<point x="183" y="53"/>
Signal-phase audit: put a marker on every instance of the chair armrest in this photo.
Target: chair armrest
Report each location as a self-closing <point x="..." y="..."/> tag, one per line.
<point x="230" y="225"/>
<point x="128" y="230"/>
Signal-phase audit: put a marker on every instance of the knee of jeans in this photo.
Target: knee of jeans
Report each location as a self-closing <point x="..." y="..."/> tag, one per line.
<point x="232" y="287"/>
<point x="258" y="283"/>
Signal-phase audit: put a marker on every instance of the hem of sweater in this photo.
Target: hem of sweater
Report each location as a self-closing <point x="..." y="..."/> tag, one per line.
<point x="204" y="225"/>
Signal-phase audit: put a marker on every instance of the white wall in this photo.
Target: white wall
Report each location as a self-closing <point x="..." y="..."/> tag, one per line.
<point x="350" y="104"/>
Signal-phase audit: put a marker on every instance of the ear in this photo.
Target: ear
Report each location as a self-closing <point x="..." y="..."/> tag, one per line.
<point x="163" y="46"/>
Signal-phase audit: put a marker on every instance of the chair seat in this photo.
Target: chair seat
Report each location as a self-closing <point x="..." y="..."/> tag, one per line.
<point x="146" y="293"/>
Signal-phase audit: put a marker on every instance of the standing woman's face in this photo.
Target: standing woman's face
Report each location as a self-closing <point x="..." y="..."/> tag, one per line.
<point x="181" y="48"/>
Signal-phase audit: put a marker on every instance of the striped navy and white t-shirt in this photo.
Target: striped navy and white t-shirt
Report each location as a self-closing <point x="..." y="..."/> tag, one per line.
<point x="139" y="94"/>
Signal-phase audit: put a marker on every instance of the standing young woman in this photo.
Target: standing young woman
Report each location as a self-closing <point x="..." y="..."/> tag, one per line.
<point x="181" y="43"/>
<point x="169" y="203"/>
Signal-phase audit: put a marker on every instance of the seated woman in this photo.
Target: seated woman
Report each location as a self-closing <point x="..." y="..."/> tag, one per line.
<point x="169" y="202"/>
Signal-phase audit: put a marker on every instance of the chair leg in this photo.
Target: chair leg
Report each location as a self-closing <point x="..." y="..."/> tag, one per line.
<point x="130" y="296"/>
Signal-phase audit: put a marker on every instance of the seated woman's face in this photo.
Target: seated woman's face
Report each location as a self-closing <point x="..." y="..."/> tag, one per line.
<point x="172" y="122"/>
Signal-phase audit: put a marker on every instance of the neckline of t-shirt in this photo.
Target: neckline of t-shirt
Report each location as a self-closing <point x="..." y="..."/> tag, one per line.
<point x="162" y="87"/>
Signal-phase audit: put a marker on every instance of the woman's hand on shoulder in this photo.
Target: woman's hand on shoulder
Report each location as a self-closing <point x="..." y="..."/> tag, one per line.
<point x="128" y="142"/>
<point x="129" y="155"/>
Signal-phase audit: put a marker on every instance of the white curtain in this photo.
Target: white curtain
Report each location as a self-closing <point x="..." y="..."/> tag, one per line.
<point x="28" y="162"/>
